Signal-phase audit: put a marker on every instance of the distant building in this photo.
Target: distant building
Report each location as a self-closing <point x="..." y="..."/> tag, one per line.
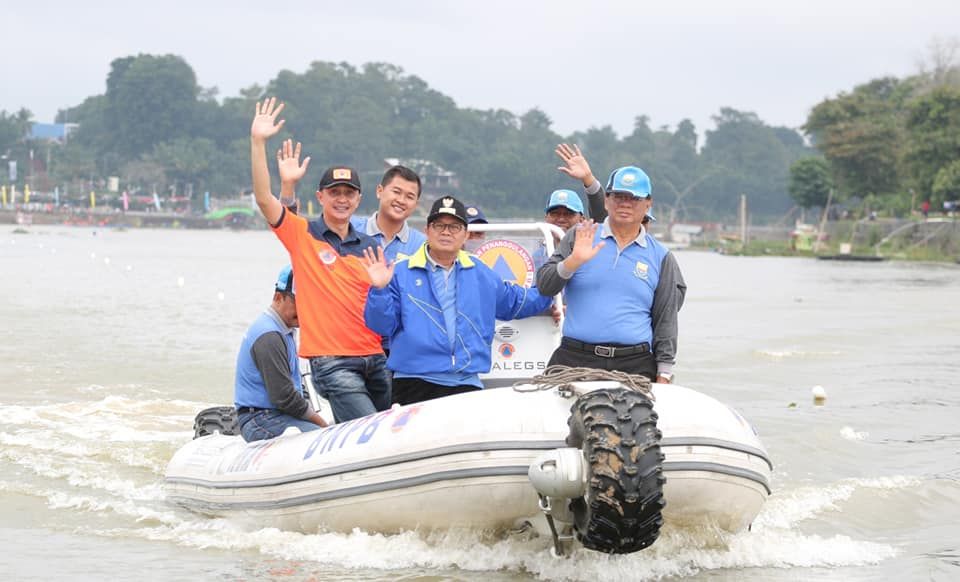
<point x="51" y="131"/>
<point x="434" y="179"/>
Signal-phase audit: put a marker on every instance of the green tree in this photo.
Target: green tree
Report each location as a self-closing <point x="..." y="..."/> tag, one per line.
<point x="810" y="182"/>
<point x="746" y="156"/>
<point x="946" y="185"/>
<point x="933" y="126"/>
<point x="862" y="135"/>
<point x="151" y="99"/>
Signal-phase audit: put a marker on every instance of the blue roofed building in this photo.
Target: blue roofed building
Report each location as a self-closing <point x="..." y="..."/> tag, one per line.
<point x="51" y="131"/>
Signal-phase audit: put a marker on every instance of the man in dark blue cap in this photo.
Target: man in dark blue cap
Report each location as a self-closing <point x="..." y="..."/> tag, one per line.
<point x="268" y="392"/>
<point x="439" y="308"/>
<point x="623" y="288"/>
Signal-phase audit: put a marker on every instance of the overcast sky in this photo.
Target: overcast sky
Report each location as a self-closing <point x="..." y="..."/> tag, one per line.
<point x="585" y="63"/>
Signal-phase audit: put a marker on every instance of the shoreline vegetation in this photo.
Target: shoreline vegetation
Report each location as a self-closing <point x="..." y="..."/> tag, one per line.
<point x="936" y="239"/>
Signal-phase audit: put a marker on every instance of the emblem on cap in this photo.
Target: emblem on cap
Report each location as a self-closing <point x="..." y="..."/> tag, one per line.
<point x="628" y="179"/>
<point x="447" y="202"/>
<point x="472" y="211"/>
<point x="562" y="196"/>
<point x="341" y="174"/>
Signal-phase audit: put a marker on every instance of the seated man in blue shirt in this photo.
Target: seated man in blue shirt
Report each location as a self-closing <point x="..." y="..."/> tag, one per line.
<point x="439" y="308"/>
<point x="268" y="391"/>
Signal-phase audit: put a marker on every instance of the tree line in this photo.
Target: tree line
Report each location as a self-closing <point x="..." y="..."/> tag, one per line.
<point x="158" y="130"/>
<point x="890" y="143"/>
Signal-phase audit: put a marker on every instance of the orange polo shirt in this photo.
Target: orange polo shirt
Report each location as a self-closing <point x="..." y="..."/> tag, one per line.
<point x="331" y="294"/>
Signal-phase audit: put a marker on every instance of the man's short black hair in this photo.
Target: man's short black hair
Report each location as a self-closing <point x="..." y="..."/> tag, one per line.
<point x="404" y="173"/>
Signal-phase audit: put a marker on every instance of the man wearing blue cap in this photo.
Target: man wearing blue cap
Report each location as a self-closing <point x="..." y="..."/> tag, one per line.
<point x="564" y="209"/>
<point x="268" y="392"/>
<point x="576" y="166"/>
<point x="623" y="288"/>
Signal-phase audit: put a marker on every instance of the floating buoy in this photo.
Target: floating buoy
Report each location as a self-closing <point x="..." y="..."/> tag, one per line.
<point x="819" y="394"/>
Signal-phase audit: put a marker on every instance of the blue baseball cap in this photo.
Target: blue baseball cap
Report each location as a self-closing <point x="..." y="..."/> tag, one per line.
<point x="285" y="281"/>
<point x="475" y="215"/>
<point x="630" y="180"/>
<point x="565" y="198"/>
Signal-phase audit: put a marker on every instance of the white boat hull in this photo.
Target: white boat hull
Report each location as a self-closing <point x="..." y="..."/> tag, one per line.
<point x="460" y="461"/>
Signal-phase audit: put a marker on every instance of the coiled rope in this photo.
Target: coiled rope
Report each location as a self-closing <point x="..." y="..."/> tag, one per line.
<point x="562" y="378"/>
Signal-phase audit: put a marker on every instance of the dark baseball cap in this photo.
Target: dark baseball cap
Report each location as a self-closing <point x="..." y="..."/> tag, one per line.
<point x="475" y="215"/>
<point x="450" y="206"/>
<point x="339" y="175"/>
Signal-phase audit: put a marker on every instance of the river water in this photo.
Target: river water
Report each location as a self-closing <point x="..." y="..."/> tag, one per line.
<point x="111" y="340"/>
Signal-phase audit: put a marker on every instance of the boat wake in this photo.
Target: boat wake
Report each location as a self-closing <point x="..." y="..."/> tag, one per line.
<point x="97" y="469"/>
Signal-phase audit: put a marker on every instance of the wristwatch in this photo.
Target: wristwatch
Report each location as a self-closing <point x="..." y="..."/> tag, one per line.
<point x="666" y="376"/>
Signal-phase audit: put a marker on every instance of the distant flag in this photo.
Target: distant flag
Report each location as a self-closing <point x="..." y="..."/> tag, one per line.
<point x="3" y="195"/>
<point x="26" y="191"/>
<point x="126" y="201"/>
<point x="206" y="201"/>
<point x="156" y="201"/>
<point x="56" y="196"/>
<point x="93" y="200"/>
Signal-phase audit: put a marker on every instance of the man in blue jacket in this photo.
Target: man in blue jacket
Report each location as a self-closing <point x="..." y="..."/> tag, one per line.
<point x="439" y="308"/>
<point x="268" y="393"/>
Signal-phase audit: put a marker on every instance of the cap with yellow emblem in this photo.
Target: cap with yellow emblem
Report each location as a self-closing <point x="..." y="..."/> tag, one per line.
<point x="339" y="175"/>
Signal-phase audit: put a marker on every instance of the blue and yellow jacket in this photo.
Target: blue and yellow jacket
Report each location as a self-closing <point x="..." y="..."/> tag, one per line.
<point x="408" y="311"/>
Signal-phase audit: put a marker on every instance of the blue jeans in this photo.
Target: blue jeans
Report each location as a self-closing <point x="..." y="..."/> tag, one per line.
<point x="354" y="386"/>
<point x="269" y="423"/>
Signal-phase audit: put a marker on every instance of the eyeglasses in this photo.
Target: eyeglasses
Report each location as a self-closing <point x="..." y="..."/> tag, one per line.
<point x="451" y="227"/>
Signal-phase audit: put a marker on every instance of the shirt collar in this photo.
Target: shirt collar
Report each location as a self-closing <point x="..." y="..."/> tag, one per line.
<point x="605" y="232"/>
<point x="272" y="313"/>
<point x="373" y="229"/>
<point x="323" y="229"/>
<point x="419" y="259"/>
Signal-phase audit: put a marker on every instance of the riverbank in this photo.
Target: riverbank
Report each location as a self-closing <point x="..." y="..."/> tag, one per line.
<point x="131" y="219"/>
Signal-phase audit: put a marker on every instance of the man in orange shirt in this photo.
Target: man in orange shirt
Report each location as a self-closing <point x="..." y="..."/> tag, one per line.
<point x="346" y="360"/>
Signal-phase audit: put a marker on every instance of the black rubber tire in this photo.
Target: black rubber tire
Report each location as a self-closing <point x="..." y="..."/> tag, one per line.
<point x="621" y="511"/>
<point x="218" y="418"/>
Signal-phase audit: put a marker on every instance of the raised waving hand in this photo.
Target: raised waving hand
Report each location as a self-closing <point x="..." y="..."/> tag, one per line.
<point x="265" y="124"/>
<point x="574" y="163"/>
<point x="378" y="267"/>
<point x="583" y="247"/>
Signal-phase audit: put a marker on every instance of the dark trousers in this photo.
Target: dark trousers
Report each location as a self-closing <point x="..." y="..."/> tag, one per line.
<point x="410" y="390"/>
<point x="642" y="363"/>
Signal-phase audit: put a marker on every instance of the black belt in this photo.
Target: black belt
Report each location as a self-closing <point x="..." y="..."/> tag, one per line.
<point x="605" y="351"/>
<point x="246" y="409"/>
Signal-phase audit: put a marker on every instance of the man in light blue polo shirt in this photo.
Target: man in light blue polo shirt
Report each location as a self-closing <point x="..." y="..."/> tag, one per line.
<point x="623" y="289"/>
<point x="399" y="193"/>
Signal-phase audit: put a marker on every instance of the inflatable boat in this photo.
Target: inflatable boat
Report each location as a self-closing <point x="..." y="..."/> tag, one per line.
<point x="594" y="457"/>
<point x="589" y="457"/>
